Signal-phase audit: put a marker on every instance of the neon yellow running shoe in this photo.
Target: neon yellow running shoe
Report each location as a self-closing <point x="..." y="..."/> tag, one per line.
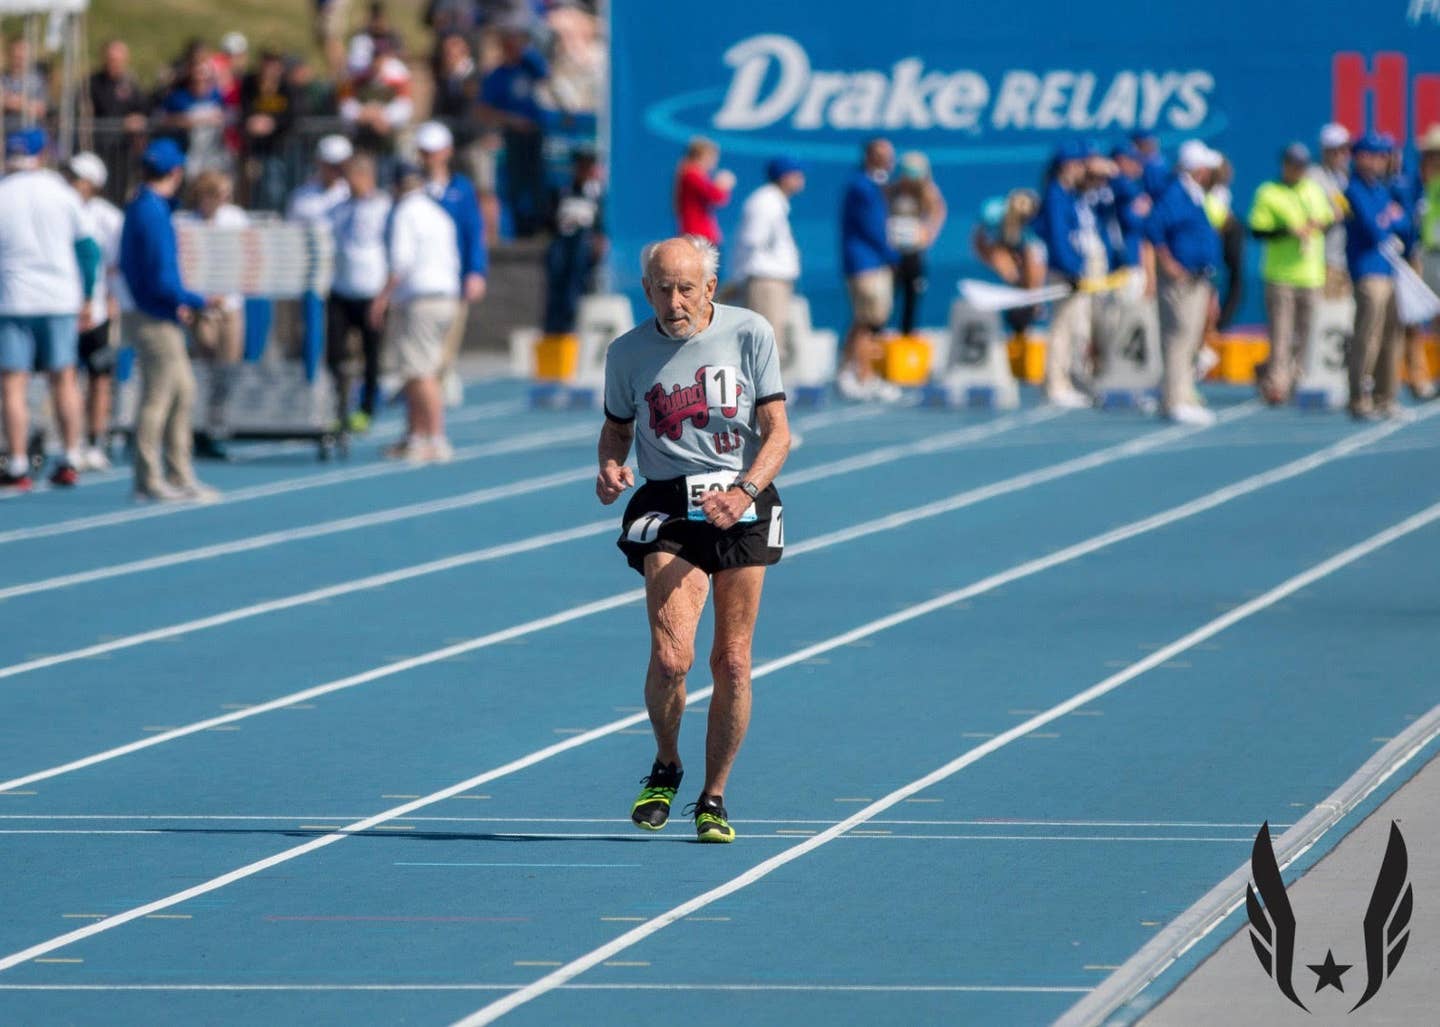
<point x="711" y="824"/>
<point x="651" y="810"/>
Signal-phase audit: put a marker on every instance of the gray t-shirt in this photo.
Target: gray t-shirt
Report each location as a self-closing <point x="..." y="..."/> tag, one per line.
<point x="695" y="400"/>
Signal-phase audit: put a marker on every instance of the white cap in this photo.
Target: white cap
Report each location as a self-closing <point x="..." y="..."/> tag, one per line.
<point x="1195" y="155"/>
<point x="1333" y="136"/>
<point x="432" y="137"/>
<point x="334" y="149"/>
<point x="90" y="168"/>
<point x="234" y="43"/>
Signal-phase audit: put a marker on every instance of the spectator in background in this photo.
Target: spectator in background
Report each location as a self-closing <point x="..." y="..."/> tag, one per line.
<point x="1375" y="220"/>
<point x="917" y="213"/>
<point x="1333" y="173"/>
<point x="23" y="85"/>
<point x="1130" y="252"/>
<point x="268" y="113"/>
<point x="577" y="57"/>
<point x="117" y="97"/>
<point x="192" y="112"/>
<point x="330" y="21"/>
<point x="1406" y="190"/>
<point x="100" y="319"/>
<point x="449" y="19"/>
<point x="700" y="190"/>
<point x="457" y="196"/>
<point x="417" y="307"/>
<point x="1187" y="251"/>
<point x="1290" y="216"/>
<point x="360" y="271"/>
<point x="326" y="189"/>
<point x="377" y="33"/>
<point x="232" y="63"/>
<point x="577" y="243"/>
<point x="151" y="270"/>
<point x="219" y="329"/>
<point x="767" y="260"/>
<point x="1218" y="207"/>
<point x="1006" y="243"/>
<point x="457" y="91"/>
<point x="1155" y="173"/>
<point x="48" y="264"/>
<point x="1074" y="250"/>
<point x="313" y="96"/>
<point x="509" y="102"/>
<point x="376" y="102"/>
<point x="867" y="261"/>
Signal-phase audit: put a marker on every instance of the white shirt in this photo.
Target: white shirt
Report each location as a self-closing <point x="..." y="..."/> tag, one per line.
<point x="41" y="220"/>
<point x="361" y="263"/>
<point x="106" y="221"/>
<point x="424" y="249"/>
<point x="766" y="246"/>
<point x="313" y="204"/>
<point x="227" y="215"/>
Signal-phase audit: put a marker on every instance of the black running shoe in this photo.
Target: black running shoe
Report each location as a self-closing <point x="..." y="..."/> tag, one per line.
<point x="652" y="808"/>
<point x="65" y="476"/>
<point x="711" y="824"/>
<point x="18" y="482"/>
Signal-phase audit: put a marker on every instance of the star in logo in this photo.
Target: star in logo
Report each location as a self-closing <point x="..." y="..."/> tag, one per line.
<point x="1329" y="972"/>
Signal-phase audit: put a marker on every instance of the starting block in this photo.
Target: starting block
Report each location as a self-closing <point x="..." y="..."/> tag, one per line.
<point x="1325" y="367"/>
<point x="1127" y="339"/>
<point x="971" y="362"/>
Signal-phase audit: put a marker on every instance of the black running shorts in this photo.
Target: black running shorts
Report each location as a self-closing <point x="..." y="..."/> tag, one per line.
<point x="656" y="521"/>
<point x="96" y="356"/>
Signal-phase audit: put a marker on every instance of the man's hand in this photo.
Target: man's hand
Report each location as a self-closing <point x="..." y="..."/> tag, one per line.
<point x="612" y="480"/>
<point x="87" y="319"/>
<point x="185" y="315"/>
<point x="376" y="314"/>
<point x="724" y="509"/>
<point x="474" y="287"/>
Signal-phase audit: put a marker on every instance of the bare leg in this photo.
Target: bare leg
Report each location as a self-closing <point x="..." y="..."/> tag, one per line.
<point x="66" y="396"/>
<point x="675" y="593"/>
<point x="414" y="403"/>
<point x="98" y="402"/>
<point x="737" y="602"/>
<point x="17" y="414"/>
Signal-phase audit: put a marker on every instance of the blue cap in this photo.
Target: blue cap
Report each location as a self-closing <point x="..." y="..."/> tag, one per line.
<point x="1374" y="142"/>
<point x="25" y="142"/>
<point x="1075" y="149"/>
<point x="1143" y="136"/>
<point x="1125" y="150"/>
<point x="162" y="156"/>
<point x="782" y="166"/>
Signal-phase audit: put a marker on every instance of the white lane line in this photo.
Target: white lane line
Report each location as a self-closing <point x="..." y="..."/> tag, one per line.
<point x="859" y="836"/>
<point x="994" y="581"/>
<point x="1019" y="989"/>
<point x="888" y="522"/>
<point x="761" y="870"/>
<point x="524" y="486"/>
<point x="329" y="818"/>
<point x="520" y="444"/>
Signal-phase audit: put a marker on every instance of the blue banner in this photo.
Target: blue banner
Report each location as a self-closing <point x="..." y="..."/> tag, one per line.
<point x="987" y="91"/>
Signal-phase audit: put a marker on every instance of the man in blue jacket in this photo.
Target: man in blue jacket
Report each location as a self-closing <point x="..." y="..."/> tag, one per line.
<point x="1187" y="252"/>
<point x="149" y="263"/>
<point x="454" y="192"/>
<point x="867" y="259"/>
<point x="1375" y="221"/>
<point x="1155" y="175"/>
<point x="1074" y="250"/>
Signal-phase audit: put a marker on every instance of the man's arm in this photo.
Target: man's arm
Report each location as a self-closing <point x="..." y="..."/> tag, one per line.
<point x="614" y="477"/>
<point x="724" y="509"/>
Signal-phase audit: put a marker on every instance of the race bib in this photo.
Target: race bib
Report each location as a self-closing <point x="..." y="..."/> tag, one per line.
<point x="698" y="486"/>
<point x="722" y="389"/>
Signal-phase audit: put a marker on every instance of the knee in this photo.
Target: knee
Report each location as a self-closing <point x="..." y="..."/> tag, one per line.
<point x="731" y="663"/>
<point x="672" y="662"/>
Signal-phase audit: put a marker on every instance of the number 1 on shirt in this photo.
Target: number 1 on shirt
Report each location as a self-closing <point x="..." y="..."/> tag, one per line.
<point x="722" y="388"/>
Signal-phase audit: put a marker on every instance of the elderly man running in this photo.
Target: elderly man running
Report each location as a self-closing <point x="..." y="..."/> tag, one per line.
<point x="714" y="438"/>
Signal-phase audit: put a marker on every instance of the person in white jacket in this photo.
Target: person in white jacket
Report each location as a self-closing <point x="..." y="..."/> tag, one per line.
<point x="420" y="301"/>
<point x="767" y="259"/>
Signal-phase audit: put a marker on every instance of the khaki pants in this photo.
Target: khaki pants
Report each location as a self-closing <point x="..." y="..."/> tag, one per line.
<point x="770" y="298"/>
<point x="1375" y="348"/>
<point x="455" y="336"/>
<point x="1184" y="305"/>
<point x="167" y="394"/>
<point x="1070" y="321"/>
<point x="1290" y="310"/>
<point x="220" y="338"/>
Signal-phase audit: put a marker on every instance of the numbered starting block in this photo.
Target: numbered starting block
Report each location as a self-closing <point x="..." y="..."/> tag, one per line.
<point x="1127" y="337"/>
<point x="971" y="362"/>
<point x="808" y="356"/>
<point x="601" y="319"/>
<point x="1324" y="371"/>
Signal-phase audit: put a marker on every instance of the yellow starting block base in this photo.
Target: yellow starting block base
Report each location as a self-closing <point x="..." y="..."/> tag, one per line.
<point x="557" y="358"/>
<point x="907" y="360"/>
<point x="1027" y="358"/>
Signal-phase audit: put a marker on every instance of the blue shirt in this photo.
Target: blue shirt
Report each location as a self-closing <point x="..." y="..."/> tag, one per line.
<point x="460" y="203"/>
<point x="1179" y="223"/>
<point x="863" y="243"/>
<point x="1366" y="227"/>
<point x="1155" y="176"/>
<point x="1058" y="226"/>
<point x="149" y="260"/>
<point x="1126" y="229"/>
<point x="511" y="88"/>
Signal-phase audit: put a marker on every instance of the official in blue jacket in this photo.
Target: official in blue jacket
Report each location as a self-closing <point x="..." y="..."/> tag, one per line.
<point x="150" y="265"/>
<point x="1156" y="174"/>
<point x="1375" y="221"/>
<point x="868" y="261"/>
<point x="1408" y="192"/>
<point x="1187" y="252"/>
<point x="454" y="192"/>
<point x="1074" y="250"/>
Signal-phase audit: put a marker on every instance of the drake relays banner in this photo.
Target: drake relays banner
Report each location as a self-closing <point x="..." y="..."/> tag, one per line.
<point x="986" y="93"/>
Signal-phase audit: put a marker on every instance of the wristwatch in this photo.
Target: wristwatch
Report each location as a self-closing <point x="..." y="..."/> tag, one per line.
<point x="747" y="487"/>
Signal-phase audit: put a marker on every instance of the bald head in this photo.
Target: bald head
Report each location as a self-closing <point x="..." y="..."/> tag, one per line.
<point x="679" y="277"/>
